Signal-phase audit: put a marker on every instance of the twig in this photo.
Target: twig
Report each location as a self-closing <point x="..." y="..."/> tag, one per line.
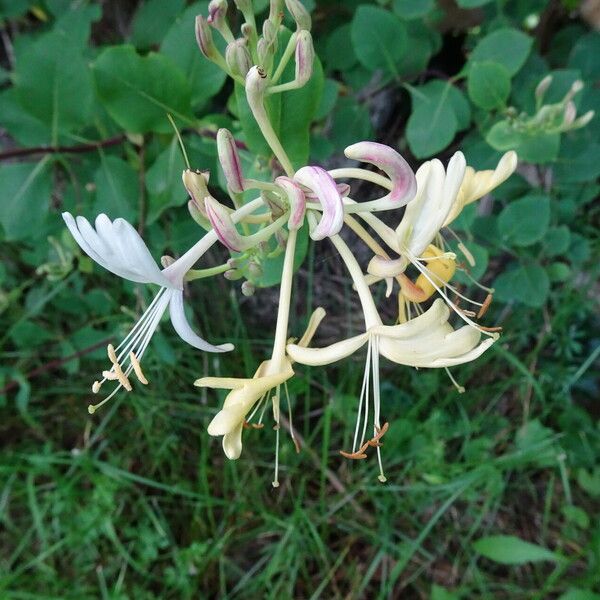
<point x="54" y="364"/>
<point x="78" y="149"/>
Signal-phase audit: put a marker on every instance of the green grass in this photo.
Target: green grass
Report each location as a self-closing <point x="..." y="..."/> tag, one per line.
<point x="139" y="502"/>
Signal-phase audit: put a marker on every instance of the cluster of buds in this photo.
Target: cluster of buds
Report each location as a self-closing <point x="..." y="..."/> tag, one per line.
<point x="254" y="50"/>
<point x="558" y="117"/>
<point x="415" y="253"/>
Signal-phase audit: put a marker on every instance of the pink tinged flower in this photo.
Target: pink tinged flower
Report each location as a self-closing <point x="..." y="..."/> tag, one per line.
<point x="404" y="184"/>
<point x="223" y="225"/>
<point x="296" y="200"/>
<point x="230" y="161"/>
<point x="320" y="182"/>
<point x="204" y="38"/>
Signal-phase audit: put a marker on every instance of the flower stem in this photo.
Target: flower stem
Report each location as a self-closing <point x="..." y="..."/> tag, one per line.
<point x="283" y="311"/>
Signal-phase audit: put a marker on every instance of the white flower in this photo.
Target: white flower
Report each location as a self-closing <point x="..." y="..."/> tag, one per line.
<point x="117" y="246"/>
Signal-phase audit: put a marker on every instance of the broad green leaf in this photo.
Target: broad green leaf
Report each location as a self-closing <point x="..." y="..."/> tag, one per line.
<point x="524" y="222"/>
<point x="24" y="127"/>
<point x="558" y="272"/>
<point x="422" y="42"/>
<point x="413" y="9"/>
<point x="589" y="481"/>
<point x="557" y="240"/>
<point x="351" y="123"/>
<point x="488" y="85"/>
<point x="204" y="77"/>
<point x="152" y="19"/>
<point x="378" y="37"/>
<point x="298" y="109"/>
<point x="14" y="8"/>
<point x="577" y="516"/>
<point x="339" y="52"/>
<point x="578" y="162"/>
<point x="76" y="23"/>
<point x="585" y="56"/>
<point x="331" y="91"/>
<point x="507" y="46"/>
<point x="117" y="189"/>
<point x="472" y="3"/>
<point x="440" y="593"/>
<point x="138" y="92"/>
<point x="579" y="594"/>
<point x="53" y="83"/>
<point x="26" y="191"/>
<point x="528" y="284"/>
<point x="433" y="122"/>
<point x="511" y="550"/>
<point x="163" y="182"/>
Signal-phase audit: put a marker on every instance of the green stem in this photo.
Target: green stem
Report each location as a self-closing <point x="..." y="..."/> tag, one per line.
<point x="285" y="59"/>
<point x="193" y="274"/>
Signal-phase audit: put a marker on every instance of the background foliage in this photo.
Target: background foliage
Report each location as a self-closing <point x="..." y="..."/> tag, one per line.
<point x="493" y="493"/>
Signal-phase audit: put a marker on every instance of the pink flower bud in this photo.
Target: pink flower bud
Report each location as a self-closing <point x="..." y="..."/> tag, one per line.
<point x="305" y="56"/>
<point x="322" y="184"/>
<point x="204" y="38"/>
<point x="230" y="161"/>
<point x="299" y="14"/>
<point x="222" y="224"/>
<point x="394" y="166"/>
<point x="217" y="11"/>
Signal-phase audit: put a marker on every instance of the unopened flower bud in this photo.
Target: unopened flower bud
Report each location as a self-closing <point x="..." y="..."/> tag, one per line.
<point x="299" y="14"/>
<point x="583" y="120"/>
<point x="542" y="87"/>
<point x="570" y="113"/>
<point x="281" y="236"/>
<point x="265" y="52"/>
<point x="205" y="39"/>
<point x="244" y="6"/>
<point x="256" y="84"/>
<point x="305" y="56"/>
<point x="238" y="58"/>
<point x="166" y="261"/>
<point x="269" y="31"/>
<point x="217" y="11"/>
<point x="248" y="288"/>
<point x="233" y="274"/>
<point x="255" y="269"/>
<point x="233" y="263"/>
<point x="223" y="225"/>
<point x="276" y="11"/>
<point x="197" y="215"/>
<point x="196" y="182"/>
<point x="230" y="161"/>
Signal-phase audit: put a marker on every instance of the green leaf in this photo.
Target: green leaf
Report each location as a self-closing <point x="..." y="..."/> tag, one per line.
<point x="528" y="284"/>
<point x="422" y="42"/>
<point x="339" y="52"/>
<point x="413" y="9"/>
<point x="163" y="182"/>
<point x="558" y="272"/>
<point x="117" y="190"/>
<point x="524" y="222"/>
<point x="433" y="122"/>
<point x="472" y="3"/>
<point x="14" y="8"/>
<point x="557" y="240"/>
<point x="585" y="56"/>
<point x="579" y="594"/>
<point x="204" y="77"/>
<point x="440" y="593"/>
<point x="507" y="46"/>
<point x="24" y="127"/>
<point x="152" y="19"/>
<point x="488" y="85"/>
<point x="351" y="123"/>
<point x="578" y="163"/>
<point x="138" y="92"/>
<point x="511" y="550"/>
<point x="76" y="24"/>
<point x="26" y="191"/>
<point x="55" y="90"/>
<point x="329" y="97"/>
<point x="378" y="37"/>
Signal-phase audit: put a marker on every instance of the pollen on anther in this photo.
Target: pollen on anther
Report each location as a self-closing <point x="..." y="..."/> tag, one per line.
<point x="91" y="409"/>
<point x="137" y="368"/>
<point x="112" y="355"/>
<point x="485" y="306"/>
<point x="96" y="387"/>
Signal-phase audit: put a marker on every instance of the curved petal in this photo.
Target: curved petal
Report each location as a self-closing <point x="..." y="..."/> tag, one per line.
<point x="117" y="247"/>
<point x="322" y="184"/>
<point x="232" y="443"/>
<point x="223" y="225"/>
<point x="296" y="199"/>
<point x="227" y="419"/>
<point x="183" y="329"/>
<point x="328" y="354"/>
<point x="477" y="184"/>
<point x="404" y="183"/>
<point x="436" y="193"/>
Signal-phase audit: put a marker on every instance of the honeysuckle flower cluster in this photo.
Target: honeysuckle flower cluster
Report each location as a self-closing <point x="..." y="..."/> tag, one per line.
<point x="414" y="254"/>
